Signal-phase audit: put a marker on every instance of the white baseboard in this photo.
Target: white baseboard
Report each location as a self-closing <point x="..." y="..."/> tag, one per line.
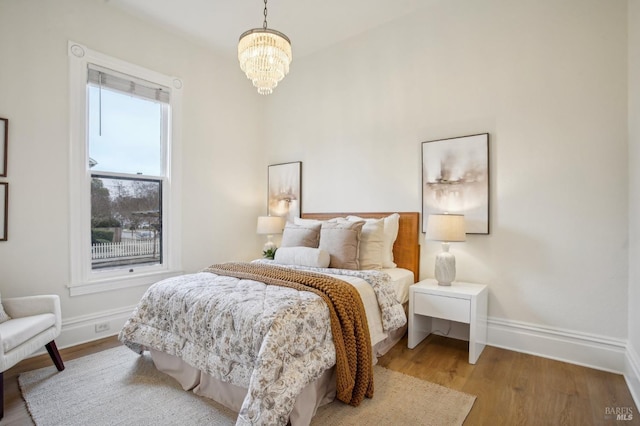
<point x="600" y="352"/>
<point x="589" y="350"/>
<point x="632" y="373"/>
<point x="82" y="329"/>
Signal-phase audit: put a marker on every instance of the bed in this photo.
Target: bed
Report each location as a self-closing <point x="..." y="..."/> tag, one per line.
<point x="272" y="352"/>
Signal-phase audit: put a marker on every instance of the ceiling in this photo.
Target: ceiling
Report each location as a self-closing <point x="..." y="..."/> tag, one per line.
<point x="310" y="25"/>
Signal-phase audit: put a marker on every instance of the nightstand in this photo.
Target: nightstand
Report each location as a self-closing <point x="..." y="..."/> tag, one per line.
<point x="458" y="311"/>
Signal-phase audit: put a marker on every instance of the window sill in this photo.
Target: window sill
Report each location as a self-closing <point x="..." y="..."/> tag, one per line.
<point x="120" y="283"/>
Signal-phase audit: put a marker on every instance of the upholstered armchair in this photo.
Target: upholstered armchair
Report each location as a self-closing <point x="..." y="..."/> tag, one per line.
<point x="35" y="322"/>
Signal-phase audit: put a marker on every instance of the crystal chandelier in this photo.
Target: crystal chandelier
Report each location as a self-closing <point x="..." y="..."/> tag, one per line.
<point x="264" y="56"/>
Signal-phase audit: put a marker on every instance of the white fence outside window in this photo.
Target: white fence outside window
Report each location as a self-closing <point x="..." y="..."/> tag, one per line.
<point x="127" y="248"/>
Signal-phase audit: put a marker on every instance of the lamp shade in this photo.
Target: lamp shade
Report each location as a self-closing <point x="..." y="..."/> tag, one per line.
<point x="270" y="225"/>
<point x="446" y="227"/>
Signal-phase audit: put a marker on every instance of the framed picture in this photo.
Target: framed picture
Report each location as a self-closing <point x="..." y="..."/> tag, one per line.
<point x="4" y="141"/>
<point x="4" y="210"/>
<point x="285" y="190"/>
<point x="455" y="179"/>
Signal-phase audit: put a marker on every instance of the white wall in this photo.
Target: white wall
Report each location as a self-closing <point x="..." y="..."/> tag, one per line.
<point x="633" y="348"/>
<point x="547" y="80"/>
<point x="221" y="165"/>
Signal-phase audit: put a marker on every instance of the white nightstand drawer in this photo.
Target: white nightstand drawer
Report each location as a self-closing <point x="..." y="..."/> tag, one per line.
<point x="449" y="308"/>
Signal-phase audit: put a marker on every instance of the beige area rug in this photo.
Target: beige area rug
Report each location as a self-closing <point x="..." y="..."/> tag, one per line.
<point x="119" y="387"/>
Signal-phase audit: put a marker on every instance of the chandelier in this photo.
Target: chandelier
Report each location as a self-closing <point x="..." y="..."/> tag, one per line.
<point x="264" y="56"/>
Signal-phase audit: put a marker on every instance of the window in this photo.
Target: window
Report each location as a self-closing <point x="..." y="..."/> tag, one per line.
<point x="128" y="125"/>
<point x="126" y="222"/>
<point x="123" y="182"/>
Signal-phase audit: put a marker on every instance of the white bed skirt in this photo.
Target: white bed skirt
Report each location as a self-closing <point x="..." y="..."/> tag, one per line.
<point x="320" y="392"/>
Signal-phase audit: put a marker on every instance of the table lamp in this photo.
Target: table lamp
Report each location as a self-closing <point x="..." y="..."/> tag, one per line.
<point x="270" y="225"/>
<point x="446" y="228"/>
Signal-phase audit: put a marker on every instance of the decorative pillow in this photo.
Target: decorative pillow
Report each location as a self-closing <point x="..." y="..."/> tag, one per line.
<point x="300" y="221"/>
<point x="300" y="235"/>
<point x="3" y="315"/>
<point x="302" y="256"/>
<point x="371" y="243"/>
<point x="391" y="226"/>
<point x="342" y="241"/>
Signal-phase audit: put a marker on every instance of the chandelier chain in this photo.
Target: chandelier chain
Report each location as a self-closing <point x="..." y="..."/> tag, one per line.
<point x="264" y="24"/>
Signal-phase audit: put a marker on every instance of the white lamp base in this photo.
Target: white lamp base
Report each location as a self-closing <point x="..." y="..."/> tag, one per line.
<point x="445" y="266"/>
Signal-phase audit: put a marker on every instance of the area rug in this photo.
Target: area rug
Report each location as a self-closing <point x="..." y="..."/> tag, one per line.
<point x="119" y="387"/>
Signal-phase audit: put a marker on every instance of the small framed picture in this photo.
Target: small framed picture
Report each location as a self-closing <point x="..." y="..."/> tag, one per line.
<point x="4" y="141"/>
<point x="455" y="179"/>
<point x="4" y="210"/>
<point x="285" y="190"/>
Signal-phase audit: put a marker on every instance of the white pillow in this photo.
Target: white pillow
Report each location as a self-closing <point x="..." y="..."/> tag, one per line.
<point x="300" y="221"/>
<point x="371" y="243"/>
<point x="391" y="226"/>
<point x="3" y="315"/>
<point x="302" y="256"/>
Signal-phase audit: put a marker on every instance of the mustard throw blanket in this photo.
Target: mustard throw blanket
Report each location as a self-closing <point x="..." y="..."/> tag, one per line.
<point x="349" y="327"/>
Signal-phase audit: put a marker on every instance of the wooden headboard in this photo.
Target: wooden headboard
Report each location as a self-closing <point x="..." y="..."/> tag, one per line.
<point x="406" y="250"/>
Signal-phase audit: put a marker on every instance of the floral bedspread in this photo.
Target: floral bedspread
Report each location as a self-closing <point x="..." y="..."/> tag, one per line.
<point x="271" y="340"/>
<point x="391" y="310"/>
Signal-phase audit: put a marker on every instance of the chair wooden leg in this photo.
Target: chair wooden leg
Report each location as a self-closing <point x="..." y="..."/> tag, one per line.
<point x="55" y="355"/>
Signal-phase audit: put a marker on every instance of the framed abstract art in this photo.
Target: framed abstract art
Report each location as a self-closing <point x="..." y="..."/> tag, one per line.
<point x="285" y="190"/>
<point x="455" y="179"/>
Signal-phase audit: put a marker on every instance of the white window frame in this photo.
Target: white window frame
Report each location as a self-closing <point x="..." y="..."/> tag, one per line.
<point x="84" y="280"/>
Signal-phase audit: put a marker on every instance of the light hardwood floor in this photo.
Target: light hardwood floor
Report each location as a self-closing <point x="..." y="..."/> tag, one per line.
<point x="511" y="388"/>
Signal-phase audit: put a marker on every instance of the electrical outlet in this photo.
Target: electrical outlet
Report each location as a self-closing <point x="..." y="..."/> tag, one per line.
<point x="103" y="326"/>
